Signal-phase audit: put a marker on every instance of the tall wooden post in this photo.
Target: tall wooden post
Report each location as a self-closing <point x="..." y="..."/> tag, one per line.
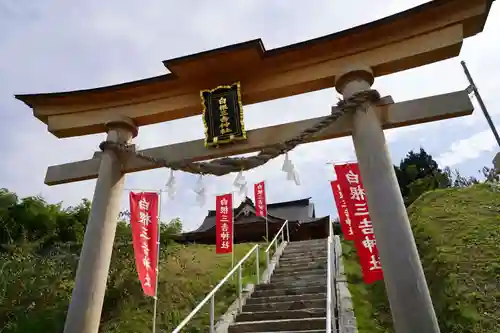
<point x="84" y="313"/>
<point x="407" y="290"/>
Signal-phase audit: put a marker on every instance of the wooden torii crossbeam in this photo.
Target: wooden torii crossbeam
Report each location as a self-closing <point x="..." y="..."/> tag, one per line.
<point x="391" y="115"/>
<point x="348" y="60"/>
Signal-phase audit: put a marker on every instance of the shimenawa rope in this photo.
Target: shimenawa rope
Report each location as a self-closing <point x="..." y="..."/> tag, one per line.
<point x="226" y="165"/>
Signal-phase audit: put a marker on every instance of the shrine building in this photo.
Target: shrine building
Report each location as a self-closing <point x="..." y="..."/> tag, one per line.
<point x="248" y="227"/>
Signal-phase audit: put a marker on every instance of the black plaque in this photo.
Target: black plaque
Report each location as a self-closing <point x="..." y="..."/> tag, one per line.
<point x="223" y="115"/>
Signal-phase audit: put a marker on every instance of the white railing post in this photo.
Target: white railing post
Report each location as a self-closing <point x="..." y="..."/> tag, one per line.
<point x="267" y="268"/>
<point x="257" y="264"/>
<point x="287" y="232"/>
<point x="240" y="306"/>
<point x="275" y="242"/>
<point x="212" y="314"/>
<point x="329" y="288"/>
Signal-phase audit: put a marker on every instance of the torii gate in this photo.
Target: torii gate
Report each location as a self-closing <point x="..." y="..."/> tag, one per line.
<point x="348" y="60"/>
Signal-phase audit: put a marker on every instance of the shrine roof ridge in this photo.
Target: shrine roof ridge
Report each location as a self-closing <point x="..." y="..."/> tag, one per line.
<point x="300" y="211"/>
<point x="291" y="202"/>
<point x="311" y="47"/>
<point x="301" y="202"/>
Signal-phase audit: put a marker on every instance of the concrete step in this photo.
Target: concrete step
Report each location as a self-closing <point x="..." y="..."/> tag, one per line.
<point x="279" y="325"/>
<point x="281" y="314"/>
<point x="295" y="246"/>
<point x="303" y="267"/>
<point x="306" y="331"/>
<point x="293" y="252"/>
<point x="287" y="284"/>
<point x="307" y="242"/>
<point x="299" y="274"/>
<point x="304" y="255"/>
<point x="301" y="290"/>
<point x="298" y="249"/>
<point x="298" y="285"/>
<point x="294" y="280"/>
<point x="284" y="298"/>
<point x="289" y="305"/>
<point x="300" y="260"/>
<point x="300" y="252"/>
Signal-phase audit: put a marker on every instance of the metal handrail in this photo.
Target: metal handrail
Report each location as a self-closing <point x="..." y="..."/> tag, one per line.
<point x="329" y="281"/>
<point x="274" y="241"/>
<point x="336" y="273"/>
<point x="282" y="236"/>
<point x="211" y="295"/>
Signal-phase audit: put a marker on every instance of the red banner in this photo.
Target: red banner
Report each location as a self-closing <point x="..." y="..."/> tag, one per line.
<point x="349" y="179"/>
<point x="345" y="220"/>
<point x="260" y="199"/>
<point x="144" y="223"/>
<point x="224" y="223"/>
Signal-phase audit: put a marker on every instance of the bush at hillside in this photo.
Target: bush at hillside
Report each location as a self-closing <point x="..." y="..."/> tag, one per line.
<point x="39" y="248"/>
<point x="35" y="290"/>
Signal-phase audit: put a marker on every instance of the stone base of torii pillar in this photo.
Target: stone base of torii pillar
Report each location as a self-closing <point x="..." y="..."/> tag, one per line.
<point x="407" y="290"/>
<point x="84" y="313"/>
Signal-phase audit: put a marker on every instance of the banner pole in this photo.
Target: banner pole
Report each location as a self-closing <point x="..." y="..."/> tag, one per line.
<point x="267" y="229"/>
<point x="155" y="306"/>
<point x="232" y="233"/>
<point x="267" y="224"/>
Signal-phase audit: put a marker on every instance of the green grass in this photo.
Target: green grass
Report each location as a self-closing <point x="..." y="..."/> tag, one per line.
<point x="35" y="291"/>
<point x="458" y="236"/>
<point x="457" y="232"/>
<point x="369" y="300"/>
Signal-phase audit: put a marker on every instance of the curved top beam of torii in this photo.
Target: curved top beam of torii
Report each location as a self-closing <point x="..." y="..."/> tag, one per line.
<point x="425" y="34"/>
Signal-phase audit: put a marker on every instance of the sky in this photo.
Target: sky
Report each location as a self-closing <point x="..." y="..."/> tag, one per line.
<point x="56" y="45"/>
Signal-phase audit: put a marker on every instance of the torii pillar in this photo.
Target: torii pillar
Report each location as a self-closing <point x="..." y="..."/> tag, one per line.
<point x="407" y="290"/>
<point x="84" y="313"/>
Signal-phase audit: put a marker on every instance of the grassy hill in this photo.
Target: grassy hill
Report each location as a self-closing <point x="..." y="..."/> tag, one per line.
<point x="35" y="290"/>
<point x="457" y="233"/>
<point x="458" y="236"/>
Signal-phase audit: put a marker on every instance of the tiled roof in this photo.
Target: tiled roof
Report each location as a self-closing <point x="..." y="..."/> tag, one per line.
<point x="296" y="210"/>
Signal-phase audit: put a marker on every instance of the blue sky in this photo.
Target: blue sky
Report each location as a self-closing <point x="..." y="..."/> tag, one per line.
<point x="56" y="45"/>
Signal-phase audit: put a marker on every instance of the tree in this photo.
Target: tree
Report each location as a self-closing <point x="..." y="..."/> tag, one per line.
<point x="33" y="224"/>
<point x="418" y="173"/>
<point x="457" y="180"/>
<point x="170" y="229"/>
<point x="167" y="229"/>
<point x="489" y="175"/>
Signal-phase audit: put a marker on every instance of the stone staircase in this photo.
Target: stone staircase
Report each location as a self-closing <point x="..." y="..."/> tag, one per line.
<point x="295" y="298"/>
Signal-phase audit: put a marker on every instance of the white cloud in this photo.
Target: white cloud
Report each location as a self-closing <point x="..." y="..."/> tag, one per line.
<point x="469" y="148"/>
<point x="64" y="46"/>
